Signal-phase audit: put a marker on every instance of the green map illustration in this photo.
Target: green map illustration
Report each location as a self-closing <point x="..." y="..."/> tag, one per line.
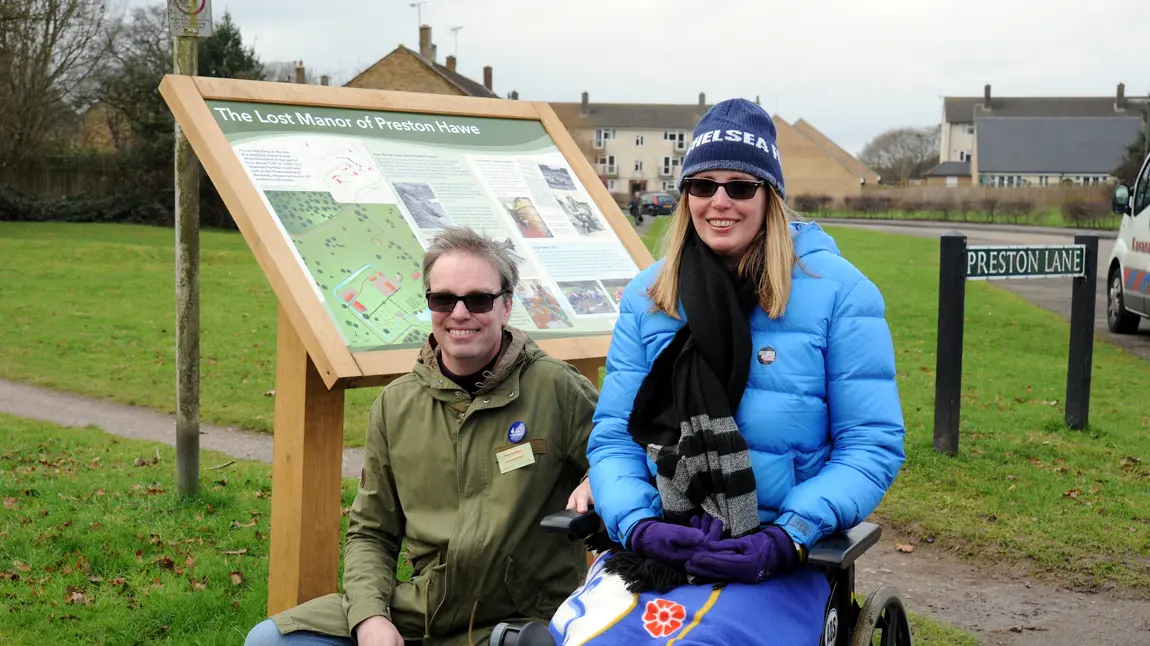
<point x="365" y="260"/>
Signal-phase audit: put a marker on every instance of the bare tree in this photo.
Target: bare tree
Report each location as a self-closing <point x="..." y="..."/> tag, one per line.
<point x="901" y="153"/>
<point x="48" y="49"/>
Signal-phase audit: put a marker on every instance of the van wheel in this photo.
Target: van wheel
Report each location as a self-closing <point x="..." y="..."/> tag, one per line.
<point x="1117" y="318"/>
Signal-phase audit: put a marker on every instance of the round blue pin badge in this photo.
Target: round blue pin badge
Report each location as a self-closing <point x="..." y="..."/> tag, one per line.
<point x="516" y="432"/>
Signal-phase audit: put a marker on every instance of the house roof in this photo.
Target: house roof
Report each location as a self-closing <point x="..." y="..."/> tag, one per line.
<point x="641" y="116"/>
<point x="1054" y="145"/>
<point x="461" y="82"/>
<point x="843" y="157"/>
<point x="950" y="169"/>
<point x="962" y="109"/>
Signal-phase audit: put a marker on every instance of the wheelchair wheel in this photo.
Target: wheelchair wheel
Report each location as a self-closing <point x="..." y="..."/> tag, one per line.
<point x="882" y="621"/>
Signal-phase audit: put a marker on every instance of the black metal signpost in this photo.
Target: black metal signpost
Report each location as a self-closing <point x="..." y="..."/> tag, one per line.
<point x="959" y="263"/>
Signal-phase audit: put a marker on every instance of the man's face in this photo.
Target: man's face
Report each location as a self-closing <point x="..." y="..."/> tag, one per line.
<point x="468" y="339"/>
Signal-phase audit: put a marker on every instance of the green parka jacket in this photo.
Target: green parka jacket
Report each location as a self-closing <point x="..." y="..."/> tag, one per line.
<point x="432" y="484"/>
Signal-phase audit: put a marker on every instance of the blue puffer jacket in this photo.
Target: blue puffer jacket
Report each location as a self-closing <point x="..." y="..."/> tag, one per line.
<point x="822" y="420"/>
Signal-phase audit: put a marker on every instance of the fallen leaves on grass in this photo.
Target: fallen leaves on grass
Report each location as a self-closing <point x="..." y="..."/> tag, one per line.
<point x="200" y="586"/>
<point x="11" y="503"/>
<point x="75" y="595"/>
<point x="237" y="578"/>
<point x="235" y="552"/>
<point x="904" y="548"/>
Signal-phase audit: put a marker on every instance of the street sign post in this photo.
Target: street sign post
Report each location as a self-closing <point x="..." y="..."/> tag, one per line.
<point x="188" y="21"/>
<point x="959" y="263"/>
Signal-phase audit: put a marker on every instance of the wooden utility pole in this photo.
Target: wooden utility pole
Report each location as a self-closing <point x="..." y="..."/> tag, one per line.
<point x="188" y="20"/>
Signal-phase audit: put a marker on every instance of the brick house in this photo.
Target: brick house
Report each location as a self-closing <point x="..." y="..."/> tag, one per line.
<point x="410" y="71"/>
<point x="640" y="147"/>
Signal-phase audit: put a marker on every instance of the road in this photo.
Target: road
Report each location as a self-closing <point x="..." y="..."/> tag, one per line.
<point x="1052" y="294"/>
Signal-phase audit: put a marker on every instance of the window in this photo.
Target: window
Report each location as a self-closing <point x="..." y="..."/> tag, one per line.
<point x="603" y="135"/>
<point x="670" y="164"/>
<point x="963" y="156"/>
<point x="638" y="165"/>
<point x="1142" y="191"/>
<point x="1043" y="180"/>
<point x="638" y="142"/>
<point x="670" y="186"/>
<point x="968" y="129"/>
<point x="611" y="185"/>
<point x="677" y="137"/>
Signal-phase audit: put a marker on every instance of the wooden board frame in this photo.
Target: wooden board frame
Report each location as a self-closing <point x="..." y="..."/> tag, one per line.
<point x="338" y="366"/>
<point x="313" y="365"/>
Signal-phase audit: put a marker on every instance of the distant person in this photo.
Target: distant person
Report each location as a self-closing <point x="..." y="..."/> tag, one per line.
<point x="749" y="410"/>
<point x="445" y="476"/>
<point x="636" y="209"/>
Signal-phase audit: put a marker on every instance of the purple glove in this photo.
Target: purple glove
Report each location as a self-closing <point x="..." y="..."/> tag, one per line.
<point x="751" y="559"/>
<point x="674" y="544"/>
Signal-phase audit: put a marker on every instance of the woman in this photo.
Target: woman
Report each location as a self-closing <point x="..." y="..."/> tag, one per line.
<point x="749" y="409"/>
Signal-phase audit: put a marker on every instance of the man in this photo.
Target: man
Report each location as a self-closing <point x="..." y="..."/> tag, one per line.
<point x="464" y="456"/>
<point x="637" y="208"/>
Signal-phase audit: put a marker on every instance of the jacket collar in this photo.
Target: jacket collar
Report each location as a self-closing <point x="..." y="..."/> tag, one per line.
<point x="516" y="349"/>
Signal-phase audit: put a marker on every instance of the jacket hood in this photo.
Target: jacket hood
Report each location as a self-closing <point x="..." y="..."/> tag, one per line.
<point x="809" y="237"/>
<point x="516" y="350"/>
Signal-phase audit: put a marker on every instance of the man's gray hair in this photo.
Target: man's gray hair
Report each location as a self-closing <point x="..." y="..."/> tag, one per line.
<point x="464" y="240"/>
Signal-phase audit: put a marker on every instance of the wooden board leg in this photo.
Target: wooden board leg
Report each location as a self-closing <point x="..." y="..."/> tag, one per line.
<point x="306" y="478"/>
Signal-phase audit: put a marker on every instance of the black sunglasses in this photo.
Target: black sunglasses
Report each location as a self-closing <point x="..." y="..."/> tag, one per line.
<point x="737" y="189"/>
<point x="475" y="302"/>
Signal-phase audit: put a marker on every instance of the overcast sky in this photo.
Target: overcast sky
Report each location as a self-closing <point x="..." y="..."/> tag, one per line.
<point x="851" y="68"/>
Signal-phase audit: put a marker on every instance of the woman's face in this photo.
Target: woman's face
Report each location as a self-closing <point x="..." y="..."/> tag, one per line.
<point x="725" y="225"/>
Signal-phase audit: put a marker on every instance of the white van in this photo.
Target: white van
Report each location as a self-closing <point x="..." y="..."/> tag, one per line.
<point x="1128" y="275"/>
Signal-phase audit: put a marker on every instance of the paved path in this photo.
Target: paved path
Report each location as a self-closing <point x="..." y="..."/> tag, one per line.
<point x="139" y="423"/>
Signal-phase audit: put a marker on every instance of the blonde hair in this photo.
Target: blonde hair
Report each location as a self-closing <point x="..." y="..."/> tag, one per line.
<point x="770" y="259"/>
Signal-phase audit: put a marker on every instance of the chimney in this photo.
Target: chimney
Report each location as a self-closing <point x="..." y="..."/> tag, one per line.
<point x="514" y="95"/>
<point x="1120" y="99"/>
<point x="425" y="41"/>
<point x="986" y="97"/>
<point x="451" y="63"/>
<point x="702" y="102"/>
<point x="434" y="53"/>
<point x="487" y="76"/>
<point x="586" y="104"/>
<point x="300" y="77"/>
<point x="323" y="80"/>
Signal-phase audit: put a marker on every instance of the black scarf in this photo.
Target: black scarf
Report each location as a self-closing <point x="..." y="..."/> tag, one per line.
<point x="683" y="414"/>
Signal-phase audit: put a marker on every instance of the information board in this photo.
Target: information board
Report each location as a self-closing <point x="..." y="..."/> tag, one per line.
<point x="351" y="186"/>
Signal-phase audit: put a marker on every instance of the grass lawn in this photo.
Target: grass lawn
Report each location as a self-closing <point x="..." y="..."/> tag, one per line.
<point x="78" y="567"/>
<point x="95" y="547"/>
<point x="1024" y="490"/>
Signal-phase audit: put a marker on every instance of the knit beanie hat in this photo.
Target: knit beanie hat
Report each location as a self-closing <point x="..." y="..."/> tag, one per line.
<point x="736" y="135"/>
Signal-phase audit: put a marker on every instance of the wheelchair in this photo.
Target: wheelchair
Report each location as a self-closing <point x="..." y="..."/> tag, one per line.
<point x="881" y="619"/>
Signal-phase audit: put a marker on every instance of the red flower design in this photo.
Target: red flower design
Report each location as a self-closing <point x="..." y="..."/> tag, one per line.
<point x="663" y="617"/>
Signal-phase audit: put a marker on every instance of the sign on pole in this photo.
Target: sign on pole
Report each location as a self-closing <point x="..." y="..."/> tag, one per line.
<point x="338" y="192"/>
<point x="959" y="263"/>
<point x="1036" y="261"/>
<point x="190" y="18"/>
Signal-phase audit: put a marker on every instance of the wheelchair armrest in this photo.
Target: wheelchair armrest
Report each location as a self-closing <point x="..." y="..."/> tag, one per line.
<point x="572" y="523"/>
<point x="839" y="551"/>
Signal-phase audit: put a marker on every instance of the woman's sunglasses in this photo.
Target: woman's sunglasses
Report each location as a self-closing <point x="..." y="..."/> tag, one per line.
<point x="475" y="302"/>
<point x="737" y="189"/>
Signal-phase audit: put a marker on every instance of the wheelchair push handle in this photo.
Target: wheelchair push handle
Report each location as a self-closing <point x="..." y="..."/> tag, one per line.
<point x="572" y="523"/>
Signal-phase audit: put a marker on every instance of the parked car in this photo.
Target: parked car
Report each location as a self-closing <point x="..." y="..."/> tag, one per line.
<point x="656" y="203"/>
<point x="1128" y="276"/>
